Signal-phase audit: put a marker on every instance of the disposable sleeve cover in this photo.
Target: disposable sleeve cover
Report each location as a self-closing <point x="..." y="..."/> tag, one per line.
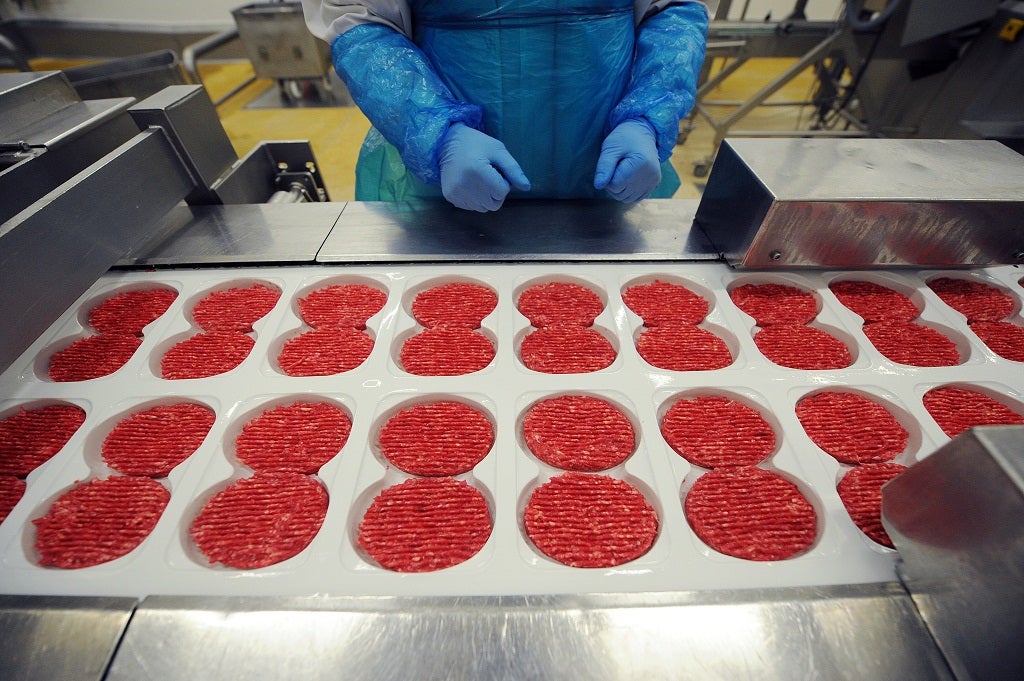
<point x="662" y="88"/>
<point x="395" y="86"/>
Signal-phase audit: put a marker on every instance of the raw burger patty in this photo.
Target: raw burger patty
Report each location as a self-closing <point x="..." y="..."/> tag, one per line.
<point x="153" y="442"/>
<point x="975" y="300"/>
<point x="772" y="304"/>
<point x="802" y="347"/>
<point x="566" y="349"/>
<point x="235" y="309"/>
<point x="957" y="409"/>
<point x="578" y="433"/>
<point x="436" y="439"/>
<point x="874" y="302"/>
<point x="337" y="307"/>
<point x="299" y="438"/>
<point x="455" y="304"/>
<point x="261" y="520"/>
<point x="425" y="524"/>
<point x="1003" y="338"/>
<point x="29" y="437"/>
<point x="130" y="311"/>
<point x="559" y="303"/>
<point x="446" y="351"/>
<point x="93" y="357"/>
<point x="681" y="347"/>
<point x="750" y="513"/>
<point x="660" y="302"/>
<point x="11" y="491"/>
<point x="206" y="354"/>
<point x="590" y="521"/>
<point x="99" y="520"/>
<point x="861" y="493"/>
<point x="324" y="352"/>
<point x="851" y="428"/>
<point x="712" y="431"/>
<point x="912" y="344"/>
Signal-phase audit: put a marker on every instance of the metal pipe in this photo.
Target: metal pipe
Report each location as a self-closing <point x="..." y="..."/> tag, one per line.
<point x="191" y="54"/>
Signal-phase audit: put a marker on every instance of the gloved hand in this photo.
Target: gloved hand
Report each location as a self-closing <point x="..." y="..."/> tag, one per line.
<point x="628" y="166"/>
<point x="477" y="170"/>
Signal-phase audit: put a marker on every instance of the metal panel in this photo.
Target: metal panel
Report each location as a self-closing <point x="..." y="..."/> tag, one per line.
<point x="278" y="42"/>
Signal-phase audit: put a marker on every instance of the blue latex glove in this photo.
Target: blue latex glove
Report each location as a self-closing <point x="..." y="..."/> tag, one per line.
<point x="629" y="167"/>
<point x="477" y="172"/>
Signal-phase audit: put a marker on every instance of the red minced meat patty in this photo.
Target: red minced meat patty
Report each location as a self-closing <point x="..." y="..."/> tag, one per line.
<point x="93" y="357"/>
<point x="446" y="351"/>
<point x="578" y="433"/>
<point x="338" y="307"/>
<point x="425" y="524"/>
<point x="261" y="520"/>
<point x="677" y="346"/>
<point x="772" y="304"/>
<point x="299" y="437"/>
<point x="851" y="428"/>
<point x="324" y="352"/>
<point x="861" y="493"/>
<point x="30" y="437"/>
<point x="154" y="441"/>
<point x="235" y="309"/>
<point x="559" y="302"/>
<point x="436" y="439"/>
<point x="912" y="344"/>
<point x="99" y="520"/>
<point x="566" y="349"/>
<point x="455" y="304"/>
<point x="750" y="513"/>
<point x="130" y="311"/>
<point x="206" y="354"/>
<point x="802" y="347"/>
<point x="1003" y="338"/>
<point x="590" y="521"/>
<point x="975" y="300"/>
<point x="712" y="431"/>
<point x="874" y="302"/>
<point x="11" y="490"/>
<point x="957" y="409"/>
<point x="660" y="302"/>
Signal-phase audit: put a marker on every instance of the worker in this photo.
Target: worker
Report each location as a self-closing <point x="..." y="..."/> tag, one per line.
<point x="479" y="100"/>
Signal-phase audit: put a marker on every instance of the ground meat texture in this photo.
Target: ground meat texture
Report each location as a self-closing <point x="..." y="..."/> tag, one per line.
<point x="299" y="437"/>
<point x="566" y="349"/>
<point x="772" y="304"/>
<point x="578" y="433"/>
<point x="11" y="491"/>
<point x="436" y="439"/>
<point x="874" y="302"/>
<point x="681" y="347"/>
<point x="206" y="354"/>
<point x="261" y="520"/>
<point x="99" y="520"/>
<point x="912" y="344"/>
<point x="975" y="300"/>
<point x="1003" y="338"/>
<point x="861" y="493"/>
<point x="130" y="311"/>
<point x="957" y="409"/>
<point x="750" y="513"/>
<point x="712" y="431"/>
<point x="154" y="441"/>
<point x="446" y="351"/>
<point x="455" y="304"/>
<point x="324" y="352"/>
<point x="590" y="521"/>
<point x="660" y="302"/>
<point x="341" y="307"/>
<point x="30" y="437"/>
<point x="802" y="347"/>
<point x="235" y="309"/>
<point x="852" y="428"/>
<point x="559" y="303"/>
<point x="93" y="357"/>
<point x="425" y="524"/>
